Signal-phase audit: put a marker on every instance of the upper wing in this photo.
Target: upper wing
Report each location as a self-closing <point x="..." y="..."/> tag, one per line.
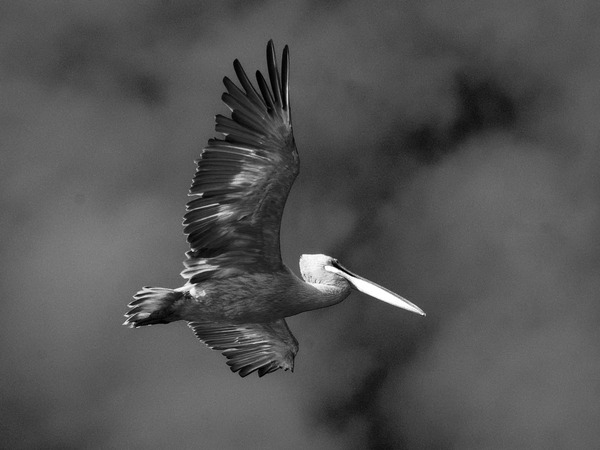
<point x="265" y="347"/>
<point x="242" y="182"/>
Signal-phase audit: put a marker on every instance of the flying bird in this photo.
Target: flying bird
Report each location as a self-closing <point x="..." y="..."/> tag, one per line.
<point x="238" y="291"/>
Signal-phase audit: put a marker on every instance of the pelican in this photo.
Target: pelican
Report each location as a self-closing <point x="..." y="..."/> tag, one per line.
<point x="238" y="291"/>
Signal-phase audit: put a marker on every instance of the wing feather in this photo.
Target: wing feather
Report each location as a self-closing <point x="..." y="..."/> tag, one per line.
<point x="242" y="181"/>
<point x="274" y="76"/>
<point x="262" y="347"/>
<point x="265" y="91"/>
<point x="249" y="104"/>
<point x="247" y="85"/>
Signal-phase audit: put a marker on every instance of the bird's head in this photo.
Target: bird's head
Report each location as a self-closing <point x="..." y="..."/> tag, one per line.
<point x="323" y="269"/>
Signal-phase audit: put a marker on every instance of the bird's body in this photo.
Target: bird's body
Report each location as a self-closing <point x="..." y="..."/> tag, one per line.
<point x="238" y="291"/>
<point x="266" y="295"/>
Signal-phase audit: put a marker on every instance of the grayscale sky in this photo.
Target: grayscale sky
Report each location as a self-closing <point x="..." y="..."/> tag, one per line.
<point x="449" y="151"/>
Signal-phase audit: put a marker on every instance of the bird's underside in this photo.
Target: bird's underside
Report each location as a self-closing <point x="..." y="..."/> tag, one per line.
<point x="232" y="223"/>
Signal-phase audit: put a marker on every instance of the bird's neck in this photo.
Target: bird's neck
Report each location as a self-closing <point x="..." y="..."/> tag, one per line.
<point x="318" y="295"/>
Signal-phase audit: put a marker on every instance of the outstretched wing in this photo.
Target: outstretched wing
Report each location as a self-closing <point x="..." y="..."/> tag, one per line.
<point x="265" y="347"/>
<point x="242" y="182"/>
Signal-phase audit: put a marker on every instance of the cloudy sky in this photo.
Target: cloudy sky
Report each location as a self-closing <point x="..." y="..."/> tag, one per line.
<point x="450" y="152"/>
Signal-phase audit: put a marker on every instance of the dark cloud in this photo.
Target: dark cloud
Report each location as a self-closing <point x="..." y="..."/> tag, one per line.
<point x="449" y="152"/>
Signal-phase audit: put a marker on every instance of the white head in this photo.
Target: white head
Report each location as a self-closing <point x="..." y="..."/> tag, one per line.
<point x="324" y="269"/>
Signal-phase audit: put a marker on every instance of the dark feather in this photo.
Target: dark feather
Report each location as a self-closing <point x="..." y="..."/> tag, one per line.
<point x="265" y="347"/>
<point x="274" y="74"/>
<point x="247" y="85"/>
<point x="242" y="182"/>
<point x="265" y="91"/>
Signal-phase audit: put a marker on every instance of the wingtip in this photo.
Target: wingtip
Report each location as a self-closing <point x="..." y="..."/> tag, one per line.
<point x="128" y="323"/>
<point x="286" y="56"/>
<point x="273" y="71"/>
<point x="271" y="52"/>
<point x="285" y="82"/>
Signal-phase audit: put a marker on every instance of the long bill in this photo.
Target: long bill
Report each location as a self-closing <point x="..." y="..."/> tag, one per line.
<point x="374" y="290"/>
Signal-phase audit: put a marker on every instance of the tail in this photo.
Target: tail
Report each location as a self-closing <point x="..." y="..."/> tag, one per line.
<point x="153" y="305"/>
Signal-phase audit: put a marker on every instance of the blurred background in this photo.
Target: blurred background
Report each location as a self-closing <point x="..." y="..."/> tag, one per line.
<point x="449" y="151"/>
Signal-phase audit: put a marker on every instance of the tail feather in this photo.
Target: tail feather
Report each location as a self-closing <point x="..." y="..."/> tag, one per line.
<point x="153" y="305"/>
